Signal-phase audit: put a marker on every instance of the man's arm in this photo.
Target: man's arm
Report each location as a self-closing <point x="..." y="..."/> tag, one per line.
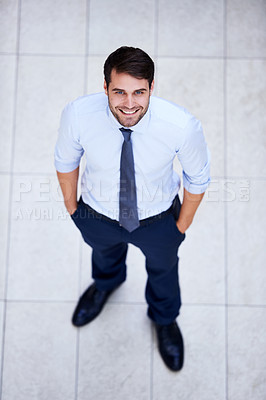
<point x="69" y="182"/>
<point x="188" y="210"/>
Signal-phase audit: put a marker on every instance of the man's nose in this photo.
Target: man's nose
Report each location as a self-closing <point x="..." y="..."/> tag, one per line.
<point x="129" y="101"/>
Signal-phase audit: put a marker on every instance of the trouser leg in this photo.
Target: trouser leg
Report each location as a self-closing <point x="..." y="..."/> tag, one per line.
<point x="109" y="266"/>
<point x="108" y="249"/>
<point x="160" y="242"/>
<point x="162" y="292"/>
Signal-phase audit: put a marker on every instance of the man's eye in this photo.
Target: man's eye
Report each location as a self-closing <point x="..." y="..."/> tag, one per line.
<point x="139" y="92"/>
<point x="119" y="92"/>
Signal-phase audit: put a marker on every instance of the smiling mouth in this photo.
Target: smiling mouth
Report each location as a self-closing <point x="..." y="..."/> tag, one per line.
<point x="128" y="112"/>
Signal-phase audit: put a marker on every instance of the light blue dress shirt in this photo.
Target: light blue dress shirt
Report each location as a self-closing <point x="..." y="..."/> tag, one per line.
<point x="166" y="130"/>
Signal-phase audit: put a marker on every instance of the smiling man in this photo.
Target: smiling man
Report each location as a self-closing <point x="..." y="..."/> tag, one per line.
<point x="130" y="190"/>
<point x="128" y="98"/>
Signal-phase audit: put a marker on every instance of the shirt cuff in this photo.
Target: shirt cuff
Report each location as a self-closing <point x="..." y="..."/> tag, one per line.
<point x="64" y="168"/>
<point x="195" y="188"/>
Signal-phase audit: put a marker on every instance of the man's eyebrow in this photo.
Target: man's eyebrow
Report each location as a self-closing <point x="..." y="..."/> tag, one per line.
<point x="123" y="90"/>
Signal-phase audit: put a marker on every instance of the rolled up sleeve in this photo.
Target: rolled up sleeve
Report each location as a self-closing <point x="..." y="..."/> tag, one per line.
<point x="194" y="157"/>
<point x="68" y="150"/>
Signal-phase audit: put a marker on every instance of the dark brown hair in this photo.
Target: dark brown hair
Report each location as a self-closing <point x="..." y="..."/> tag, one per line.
<point x="130" y="60"/>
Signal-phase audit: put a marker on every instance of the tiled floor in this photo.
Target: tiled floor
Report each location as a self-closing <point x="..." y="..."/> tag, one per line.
<point x="211" y="58"/>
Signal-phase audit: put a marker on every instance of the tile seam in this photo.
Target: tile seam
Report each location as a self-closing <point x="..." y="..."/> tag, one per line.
<point x="85" y="85"/>
<point x="156" y="39"/>
<point x="30" y="173"/>
<point x="12" y="153"/>
<point x="87" y="54"/>
<point x="115" y="303"/>
<point x="225" y="203"/>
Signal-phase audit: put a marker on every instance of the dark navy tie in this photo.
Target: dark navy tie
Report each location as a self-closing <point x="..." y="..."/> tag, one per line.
<point x="128" y="213"/>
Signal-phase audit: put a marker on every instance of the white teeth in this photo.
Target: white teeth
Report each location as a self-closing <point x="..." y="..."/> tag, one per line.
<point x="129" y="112"/>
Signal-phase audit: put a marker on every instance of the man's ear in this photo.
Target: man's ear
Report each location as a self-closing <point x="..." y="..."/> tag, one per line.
<point x="152" y="87"/>
<point x="105" y="87"/>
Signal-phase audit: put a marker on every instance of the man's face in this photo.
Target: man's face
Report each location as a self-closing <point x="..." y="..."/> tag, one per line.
<point x="128" y="97"/>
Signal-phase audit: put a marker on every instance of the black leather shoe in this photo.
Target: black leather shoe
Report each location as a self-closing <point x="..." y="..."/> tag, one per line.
<point x="90" y="305"/>
<point x="171" y="345"/>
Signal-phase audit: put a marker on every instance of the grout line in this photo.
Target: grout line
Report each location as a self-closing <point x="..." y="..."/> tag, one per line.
<point x="78" y="333"/>
<point x="222" y="305"/>
<point x="55" y="301"/>
<point x="246" y="306"/>
<point x="254" y="178"/>
<point x="156" y="28"/>
<point x="87" y="50"/>
<point x="85" y="85"/>
<point x="77" y="365"/>
<point x="11" y="167"/>
<point x="80" y="266"/>
<point x="202" y="304"/>
<point x="39" y="301"/>
<point x="31" y="173"/>
<point x="188" y="57"/>
<point x="87" y="32"/>
<point x="156" y="35"/>
<point x="225" y="204"/>
<point x="151" y="361"/>
<point x="131" y="303"/>
<point x="51" y="55"/>
<point x="155" y="55"/>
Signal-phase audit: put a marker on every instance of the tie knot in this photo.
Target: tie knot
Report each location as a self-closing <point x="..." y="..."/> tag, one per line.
<point x="126" y="133"/>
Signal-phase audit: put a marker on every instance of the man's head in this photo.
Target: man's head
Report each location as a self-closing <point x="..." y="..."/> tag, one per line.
<point x="128" y="83"/>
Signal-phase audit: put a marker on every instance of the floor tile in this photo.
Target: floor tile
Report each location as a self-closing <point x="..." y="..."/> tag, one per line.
<point x="44" y="248"/>
<point x="46" y="85"/>
<point x="1" y="330"/>
<point x="246" y="353"/>
<point x="203" y="374"/>
<point x="246" y="118"/>
<point x="133" y="289"/>
<point x="40" y="352"/>
<point x="123" y="24"/>
<point x="53" y="27"/>
<point x="114" y="360"/>
<point x="246" y="244"/>
<point x="201" y="263"/>
<point x="246" y="28"/>
<point x="7" y="74"/>
<point x="95" y="74"/>
<point x="184" y="82"/>
<point x="4" y="189"/>
<point x="8" y="25"/>
<point x="190" y="28"/>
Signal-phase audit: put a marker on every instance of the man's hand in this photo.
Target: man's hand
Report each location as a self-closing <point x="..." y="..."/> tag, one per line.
<point x="180" y="228"/>
<point x="71" y="211"/>
<point x="188" y="210"/>
<point x="68" y="182"/>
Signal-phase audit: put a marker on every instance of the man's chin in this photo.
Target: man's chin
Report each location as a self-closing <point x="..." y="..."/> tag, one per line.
<point x="128" y="124"/>
<point x="128" y="120"/>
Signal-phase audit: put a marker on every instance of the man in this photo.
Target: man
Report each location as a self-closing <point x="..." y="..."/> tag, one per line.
<point x="129" y="188"/>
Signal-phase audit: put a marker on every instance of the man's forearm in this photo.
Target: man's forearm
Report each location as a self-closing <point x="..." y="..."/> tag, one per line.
<point x="188" y="210"/>
<point x="68" y="183"/>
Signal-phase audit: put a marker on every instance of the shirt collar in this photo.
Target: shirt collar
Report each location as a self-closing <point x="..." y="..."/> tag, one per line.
<point x="140" y="127"/>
